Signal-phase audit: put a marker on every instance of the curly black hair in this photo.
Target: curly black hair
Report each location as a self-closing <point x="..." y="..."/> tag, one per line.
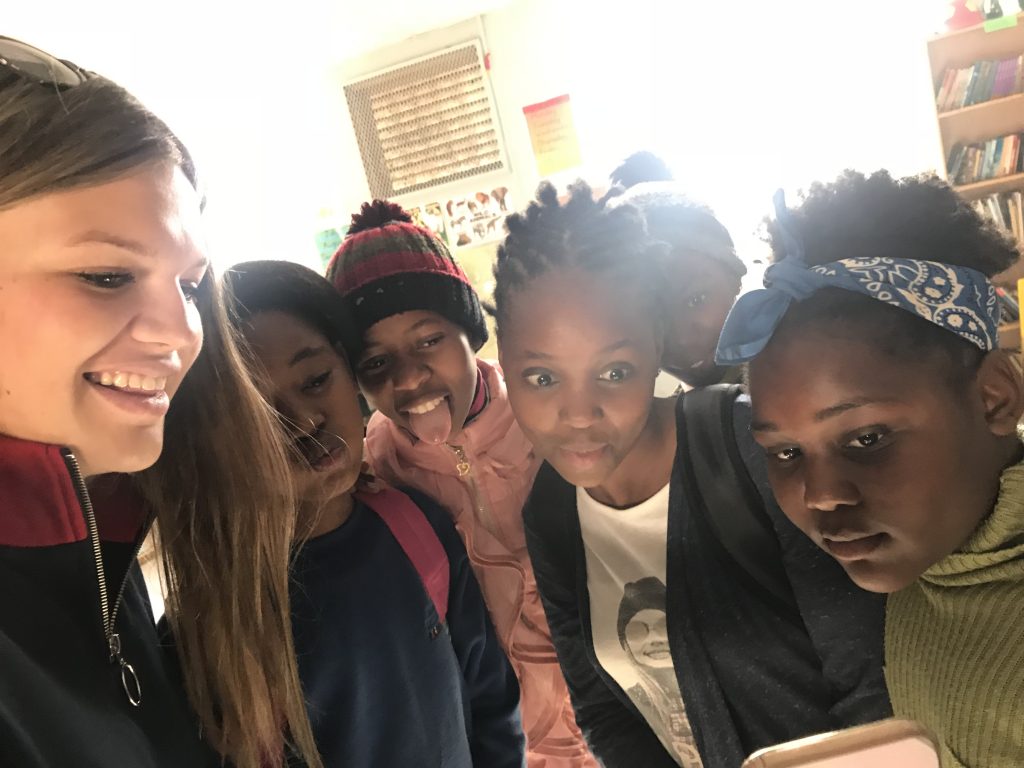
<point x="580" y="233"/>
<point x="640" y="167"/>
<point x="916" y="217"/>
<point x="687" y="225"/>
<point x="253" y="287"/>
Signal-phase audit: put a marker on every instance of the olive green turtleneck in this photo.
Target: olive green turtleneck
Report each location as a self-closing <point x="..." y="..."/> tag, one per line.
<point x="955" y="642"/>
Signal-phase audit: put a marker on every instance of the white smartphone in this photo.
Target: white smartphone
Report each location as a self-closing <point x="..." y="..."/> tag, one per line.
<point x="885" y="744"/>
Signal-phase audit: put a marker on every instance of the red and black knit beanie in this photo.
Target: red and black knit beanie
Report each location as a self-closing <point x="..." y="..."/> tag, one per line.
<point x="387" y="265"/>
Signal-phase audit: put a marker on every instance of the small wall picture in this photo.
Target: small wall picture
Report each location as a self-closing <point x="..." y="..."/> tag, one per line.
<point x="431" y="216"/>
<point x="477" y="217"/>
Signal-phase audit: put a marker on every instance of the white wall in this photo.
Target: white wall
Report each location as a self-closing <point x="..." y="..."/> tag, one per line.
<point x="245" y="89"/>
<point x="739" y="100"/>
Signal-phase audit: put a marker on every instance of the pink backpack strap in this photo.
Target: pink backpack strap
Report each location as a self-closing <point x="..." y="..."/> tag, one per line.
<point x="417" y="539"/>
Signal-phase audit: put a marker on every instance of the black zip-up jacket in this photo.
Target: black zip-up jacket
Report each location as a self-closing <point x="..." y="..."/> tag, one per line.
<point x="63" y="701"/>
<point x="749" y="674"/>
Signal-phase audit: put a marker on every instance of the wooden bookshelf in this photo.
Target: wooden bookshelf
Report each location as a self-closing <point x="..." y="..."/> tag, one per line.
<point x="991" y="186"/>
<point x="978" y="123"/>
<point x="987" y="120"/>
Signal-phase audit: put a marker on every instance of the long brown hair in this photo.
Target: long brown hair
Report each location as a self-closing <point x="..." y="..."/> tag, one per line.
<point x="221" y="489"/>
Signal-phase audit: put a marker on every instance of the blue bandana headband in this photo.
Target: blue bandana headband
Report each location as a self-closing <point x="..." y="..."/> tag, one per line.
<point x="959" y="299"/>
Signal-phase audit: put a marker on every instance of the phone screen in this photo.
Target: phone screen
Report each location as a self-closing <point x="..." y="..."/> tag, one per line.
<point x="888" y="744"/>
<point x="906" y="753"/>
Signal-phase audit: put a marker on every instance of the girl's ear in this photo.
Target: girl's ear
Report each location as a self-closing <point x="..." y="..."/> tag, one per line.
<point x="1001" y="385"/>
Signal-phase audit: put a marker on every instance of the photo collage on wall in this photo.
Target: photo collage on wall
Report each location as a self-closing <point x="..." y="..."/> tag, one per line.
<point x="466" y="220"/>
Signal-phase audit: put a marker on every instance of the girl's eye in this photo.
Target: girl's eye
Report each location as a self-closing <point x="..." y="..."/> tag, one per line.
<point x="696" y="300"/>
<point x="190" y="290"/>
<point x="785" y="455"/>
<point x="373" y="364"/>
<point x="540" y="380"/>
<point x="107" y="280"/>
<point x="432" y="341"/>
<point x="867" y="440"/>
<point x="317" y="382"/>
<point x="616" y="375"/>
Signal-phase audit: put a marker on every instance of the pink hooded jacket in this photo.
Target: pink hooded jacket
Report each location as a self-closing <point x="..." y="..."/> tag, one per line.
<point x="484" y="482"/>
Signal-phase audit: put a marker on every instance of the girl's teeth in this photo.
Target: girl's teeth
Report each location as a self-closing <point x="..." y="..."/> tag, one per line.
<point x="136" y="381"/>
<point x="426" y="407"/>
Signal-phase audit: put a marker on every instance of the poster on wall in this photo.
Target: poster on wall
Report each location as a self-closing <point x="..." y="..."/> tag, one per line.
<point x="466" y="219"/>
<point x="327" y="242"/>
<point x="553" y="135"/>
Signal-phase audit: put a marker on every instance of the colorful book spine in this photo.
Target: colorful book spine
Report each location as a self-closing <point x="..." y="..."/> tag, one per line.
<point x="945" y="88"/>
<point x="983" y="81"/>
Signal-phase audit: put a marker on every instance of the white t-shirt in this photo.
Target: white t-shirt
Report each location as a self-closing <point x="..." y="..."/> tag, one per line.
<point x="626" y="551"/>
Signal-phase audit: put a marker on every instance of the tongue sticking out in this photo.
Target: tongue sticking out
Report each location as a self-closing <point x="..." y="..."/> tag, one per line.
<point x="434" y="426"/>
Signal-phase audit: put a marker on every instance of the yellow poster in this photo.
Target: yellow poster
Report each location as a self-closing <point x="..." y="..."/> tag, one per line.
<point x="553" y="135"/>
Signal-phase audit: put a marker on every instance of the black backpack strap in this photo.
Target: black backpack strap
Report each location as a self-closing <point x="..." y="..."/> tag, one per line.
<point x="717" y="485"/>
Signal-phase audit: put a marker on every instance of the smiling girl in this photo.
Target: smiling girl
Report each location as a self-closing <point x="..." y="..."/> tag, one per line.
<point x="111" y="334"/>
<point x="444" y="427"/>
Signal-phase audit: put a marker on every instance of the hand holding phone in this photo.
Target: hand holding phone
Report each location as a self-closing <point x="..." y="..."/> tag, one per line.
<point x="885" y="744"/>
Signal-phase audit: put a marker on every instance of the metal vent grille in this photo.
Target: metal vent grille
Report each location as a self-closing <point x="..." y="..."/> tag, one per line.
<point x="427" y="123"/>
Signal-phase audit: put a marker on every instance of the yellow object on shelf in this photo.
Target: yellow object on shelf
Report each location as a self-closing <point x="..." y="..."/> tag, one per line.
<point x="1020" y="295"/>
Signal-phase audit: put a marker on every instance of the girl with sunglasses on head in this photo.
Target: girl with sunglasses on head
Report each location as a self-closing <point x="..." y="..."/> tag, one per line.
<point x="123" y="400"/>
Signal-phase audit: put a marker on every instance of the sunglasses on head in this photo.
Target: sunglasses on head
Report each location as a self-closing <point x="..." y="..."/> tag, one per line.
<point x="38" y="66"/>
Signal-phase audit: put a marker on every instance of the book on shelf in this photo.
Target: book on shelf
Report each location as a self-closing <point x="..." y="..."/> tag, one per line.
<point x="999" y="156"/>
<point x="982" y="81"/>
<point x="1006" y="210"/>
<point x="1011" y="155"/>
<point x="1009" y="308"/>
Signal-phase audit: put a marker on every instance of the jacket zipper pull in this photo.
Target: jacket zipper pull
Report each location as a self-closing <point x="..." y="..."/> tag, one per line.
<point x="129" y="680"/>
<point x="462" y="463"/>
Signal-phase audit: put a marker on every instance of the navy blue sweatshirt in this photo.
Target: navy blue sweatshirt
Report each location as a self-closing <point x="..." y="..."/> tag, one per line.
<point x="383" y="689"/>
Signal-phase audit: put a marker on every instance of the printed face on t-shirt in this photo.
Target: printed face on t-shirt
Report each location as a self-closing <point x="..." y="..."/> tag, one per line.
<point x="647" y="639"/>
